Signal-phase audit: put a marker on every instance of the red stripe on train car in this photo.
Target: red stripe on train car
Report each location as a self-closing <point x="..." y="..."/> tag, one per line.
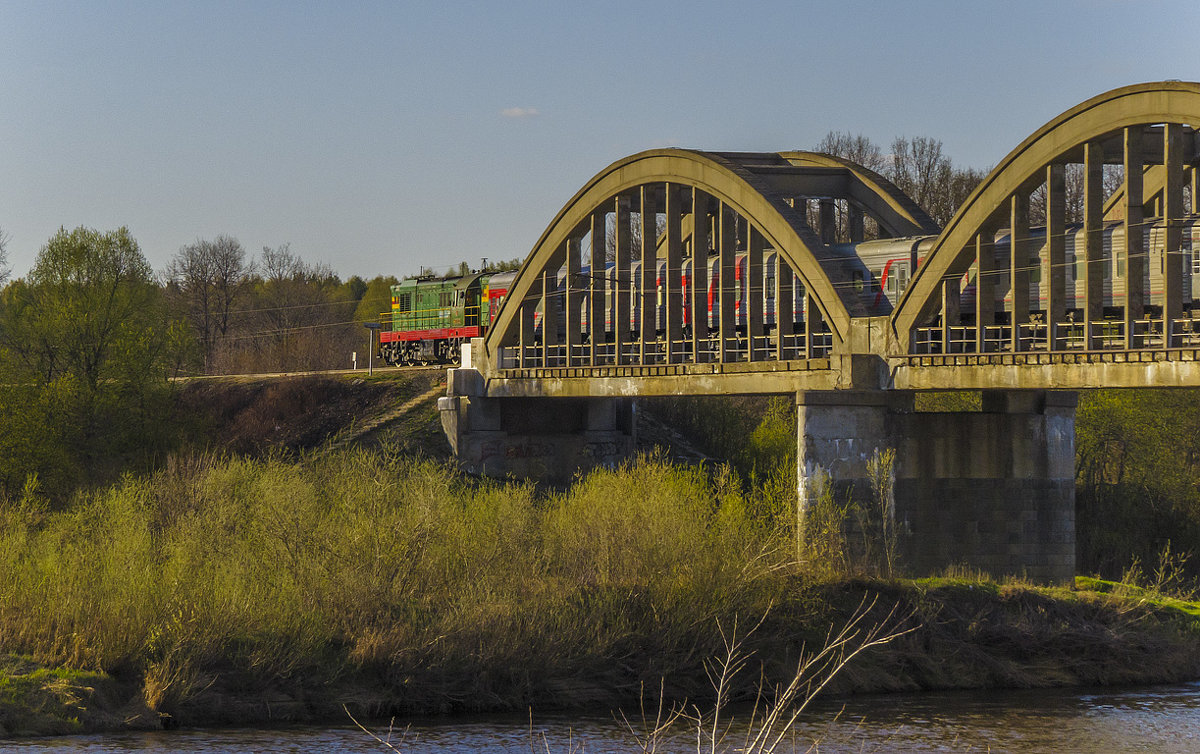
<point x="437" y="334"/>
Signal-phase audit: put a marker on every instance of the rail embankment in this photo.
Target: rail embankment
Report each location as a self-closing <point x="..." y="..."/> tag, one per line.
<point x="232" y="590"/>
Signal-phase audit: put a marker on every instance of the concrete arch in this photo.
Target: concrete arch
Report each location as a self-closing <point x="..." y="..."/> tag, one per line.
<point x="1061" y="139"/>
<point x="738" y="181"/>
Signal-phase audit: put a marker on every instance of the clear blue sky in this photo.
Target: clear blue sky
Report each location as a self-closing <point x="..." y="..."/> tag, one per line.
<point x="381" y="136"/>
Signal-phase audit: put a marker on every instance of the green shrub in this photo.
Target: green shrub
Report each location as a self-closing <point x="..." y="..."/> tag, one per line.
<point x="272" y="569"/>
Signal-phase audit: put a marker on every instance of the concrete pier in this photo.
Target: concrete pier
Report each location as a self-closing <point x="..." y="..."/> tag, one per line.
<point x="992" y="490"/>
<point x="543" y="439"/>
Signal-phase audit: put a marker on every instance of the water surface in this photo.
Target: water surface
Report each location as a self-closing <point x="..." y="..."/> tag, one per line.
<point x="1154" y="719"/>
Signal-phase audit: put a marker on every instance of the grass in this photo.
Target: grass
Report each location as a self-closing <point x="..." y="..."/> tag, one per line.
<point x="40" y="700"/>
<point x="456" y="593"/>
<point x="229" y="589"/>
<point x="1188" y="608"/>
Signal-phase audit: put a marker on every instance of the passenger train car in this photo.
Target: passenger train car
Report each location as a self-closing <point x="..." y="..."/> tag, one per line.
<point x="431" y="317"/>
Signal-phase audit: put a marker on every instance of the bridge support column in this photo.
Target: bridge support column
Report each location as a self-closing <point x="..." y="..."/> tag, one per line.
<point x="545" y="439"/>
<point x="993" y="490"/>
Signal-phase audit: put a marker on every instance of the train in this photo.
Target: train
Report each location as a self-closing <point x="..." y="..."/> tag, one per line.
<point x="430" y="316"/>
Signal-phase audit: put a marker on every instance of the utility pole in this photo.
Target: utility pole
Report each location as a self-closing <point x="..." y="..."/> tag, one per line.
<point x="372" y="327"/>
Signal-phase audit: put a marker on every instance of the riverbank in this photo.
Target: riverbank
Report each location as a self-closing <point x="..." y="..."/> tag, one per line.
<point x="226" y="590"/>
<point x="968" y="635"/>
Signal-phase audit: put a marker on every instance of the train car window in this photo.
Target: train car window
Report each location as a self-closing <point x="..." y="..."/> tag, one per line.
<point x="1120" y="262"/>
<point x="1035" y="271"/>
<point x="1196" y="261"/>
<point x="1076" y="266"/>
<point x="770" y="286"/>
<point x="901" y="277"/>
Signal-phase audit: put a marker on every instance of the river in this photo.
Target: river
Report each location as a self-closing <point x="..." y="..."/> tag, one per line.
<point x="1154" y="719"/>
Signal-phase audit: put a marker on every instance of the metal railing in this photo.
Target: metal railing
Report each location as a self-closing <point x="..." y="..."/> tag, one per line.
<point x="661" y="352"/>
<point x="1149" y="333"/>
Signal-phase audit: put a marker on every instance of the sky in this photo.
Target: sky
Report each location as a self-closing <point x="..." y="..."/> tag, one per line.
<point x="380" y="137"/>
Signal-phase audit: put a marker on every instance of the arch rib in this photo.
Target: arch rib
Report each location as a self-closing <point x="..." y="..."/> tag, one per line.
<point x="1063" y="138"/>
<point x="823" y="270"/>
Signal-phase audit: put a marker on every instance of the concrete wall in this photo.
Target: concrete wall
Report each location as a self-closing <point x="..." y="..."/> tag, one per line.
<point x="993" y="490"/>
<point x="545" y="439"/>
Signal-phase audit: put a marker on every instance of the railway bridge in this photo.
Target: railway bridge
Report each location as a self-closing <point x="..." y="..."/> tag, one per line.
<point x="1074" y="264"/>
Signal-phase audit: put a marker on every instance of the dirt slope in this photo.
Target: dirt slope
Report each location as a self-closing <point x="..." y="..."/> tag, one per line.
<point x="296" y="414"/>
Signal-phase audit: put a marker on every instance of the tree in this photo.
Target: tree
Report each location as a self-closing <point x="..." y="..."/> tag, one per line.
<point x="96" y="307"/>
<point x="354" y="288"/>
<point x="3" y="256"/>
<point x="854" y="147"/>
<point x="82" y="347"/>
<point x="206" y="278"/>
<point x="295" y="316"/>
<point x="1074" y="184"/>
<point x="376" y="300"/>
<point x="920" y="169"/>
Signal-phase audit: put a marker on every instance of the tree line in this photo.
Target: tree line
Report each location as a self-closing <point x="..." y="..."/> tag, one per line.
<point x="918" y="166"/>
<point x="91" y="335"/>
<point x="274" y="313"/>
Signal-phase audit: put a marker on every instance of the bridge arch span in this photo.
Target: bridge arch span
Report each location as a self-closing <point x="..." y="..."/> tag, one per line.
<point x="746" y="202"/>
<point x="1147" y="129"/>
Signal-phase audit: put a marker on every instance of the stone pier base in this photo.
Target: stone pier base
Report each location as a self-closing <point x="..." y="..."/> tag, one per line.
<point x="992" y="490"/>
<point x="544" y="439"/>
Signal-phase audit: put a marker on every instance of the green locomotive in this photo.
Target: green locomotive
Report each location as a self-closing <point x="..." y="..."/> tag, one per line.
<point x="432" y="317"/>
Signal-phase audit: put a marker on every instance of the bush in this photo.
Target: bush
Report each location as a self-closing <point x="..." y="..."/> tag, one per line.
<point x="448" y="587"/>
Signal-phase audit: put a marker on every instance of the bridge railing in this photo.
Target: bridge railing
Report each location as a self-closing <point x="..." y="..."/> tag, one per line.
<point x="1185" y="332"/>
<point x="1147" y="333"/>
<point x="1032" y="336"/>
<point x="1069" y="336"/>
<point x="661" y="352"/>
